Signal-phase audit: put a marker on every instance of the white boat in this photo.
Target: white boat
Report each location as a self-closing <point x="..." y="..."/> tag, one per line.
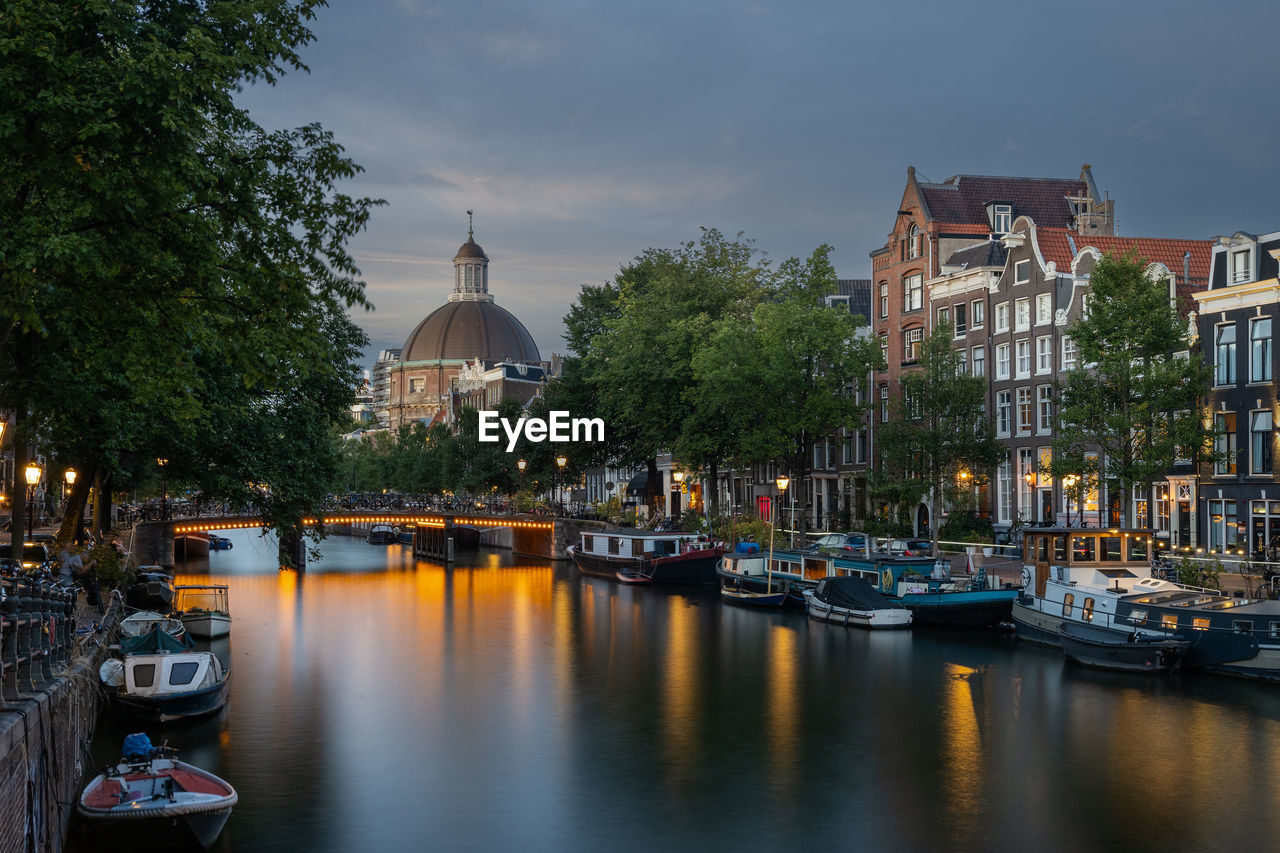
<point x="204" y="610"/>
<point x="148" y="800"/>
<point x="142" y="622"/>
<point x="851" y="601"/>
<point x="160" y="680"/>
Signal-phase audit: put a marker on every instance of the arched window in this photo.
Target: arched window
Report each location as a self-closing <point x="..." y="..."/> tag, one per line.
<point x="913" y="242"/>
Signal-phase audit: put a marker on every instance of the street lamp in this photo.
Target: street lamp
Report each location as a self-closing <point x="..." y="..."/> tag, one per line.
<point x="781" y="482"/>
<point x="33" y="477"/>
<point x="678" y="476"/>
<point x="561" y="461"/>
<point x="70" y="477"/>
<point x="164" y="489"/>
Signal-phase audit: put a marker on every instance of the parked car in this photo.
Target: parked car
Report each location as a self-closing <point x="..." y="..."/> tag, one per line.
<point x="838" y="542"/>
<point x="918" y="548"/>
<point x="35" y="556"/>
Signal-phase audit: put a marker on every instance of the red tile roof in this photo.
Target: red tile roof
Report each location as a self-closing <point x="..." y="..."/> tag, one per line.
<point x="1055" y="246"/>
<point x="963" y="198"/>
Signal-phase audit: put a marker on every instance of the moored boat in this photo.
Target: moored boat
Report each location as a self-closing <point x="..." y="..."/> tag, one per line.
<point x="666" y="558"/>
<point x="141" y="623"/>
<point x="381" y="534"/>
<point x="936" y="596"/>
<point x="1129" y="651"/>
<point x="152" y="590"/>
<point x="219" y="543"/>
<point x="203" y="610"/>
<point x="150" y="800"/>
<point x="851" y="601"/>
<point x="161" y="680"/>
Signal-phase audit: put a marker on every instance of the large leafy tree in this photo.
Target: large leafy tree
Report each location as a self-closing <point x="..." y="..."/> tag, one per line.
<point x="1135" y="405"/>
<point x="167" y="266"/>
<point x="939" y="430"/>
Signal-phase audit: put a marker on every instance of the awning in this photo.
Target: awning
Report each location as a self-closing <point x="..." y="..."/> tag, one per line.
<point x="637" y="484"/>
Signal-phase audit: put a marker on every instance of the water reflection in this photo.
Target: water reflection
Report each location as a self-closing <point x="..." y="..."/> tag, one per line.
<point x="383" y="703"/>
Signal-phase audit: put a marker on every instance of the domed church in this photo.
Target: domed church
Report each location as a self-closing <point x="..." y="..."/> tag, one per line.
<point x="469" y="331"/>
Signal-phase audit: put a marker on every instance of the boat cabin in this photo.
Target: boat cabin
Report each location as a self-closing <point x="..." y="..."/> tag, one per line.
<point x="203" y="598"/>
<point x="165" y="674"/>
<point x="640" y="545"/>
<point x="1089" y="556"/>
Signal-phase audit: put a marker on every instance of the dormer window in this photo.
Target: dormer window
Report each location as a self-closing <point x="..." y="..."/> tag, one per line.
<point x="1240" y="266"/>
<point x="1001" y="217"/>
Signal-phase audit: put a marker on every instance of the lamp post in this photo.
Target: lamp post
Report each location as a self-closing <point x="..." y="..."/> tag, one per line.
<point x="678" y="476"/>
<point x="1030" y="477"/>
<point x="33" y="477"/>
<point x="781" y="482"/>
<point x="561" y="461"/>
<point x="4" y="471"/>
<point x="164" y="489"/>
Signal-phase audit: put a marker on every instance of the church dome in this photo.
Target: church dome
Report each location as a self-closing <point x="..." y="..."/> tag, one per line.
<point x="470" y="250"/>
<point x="467" y="329"/>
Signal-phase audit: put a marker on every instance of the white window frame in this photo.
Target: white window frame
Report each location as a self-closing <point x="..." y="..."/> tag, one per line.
<point x="1003" y="364"/>
<point x="1023" y="356"/>
<point x="913" y="292"/>
<point x="1070" y="354"/>
<point x="884" y="299"/>
<point x="1023" y="405"/>
<point x="1261" y="447"/>
<point x="977" y="314"/>
<point x="1224" y="355"/>
<point x="1022" y="315"/>
<point x="1004" y="413"/>
<point x="978" y="360"/>
<point x="1259" y="350"/>
<point x="1044" y="309"/>
<point x="1001" y="218"/>
<point x="1044" y="409"/>
<point x="1022" y="272"/>
<point x="1002" y="316"/>
<point x="1044" y="355"/>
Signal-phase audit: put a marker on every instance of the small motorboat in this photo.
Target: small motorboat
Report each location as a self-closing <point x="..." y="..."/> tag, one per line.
<point x="633" y="576"/>
<point x="142" y="622"/>
<point x="219" y="543"/>
<point x="151" y="800"/>
<point x="153" y="590"/>
<point x="160" y="679"/>
<point x="852" y="601"/>
<point x="381" y="534"/>
<point x="203" y="610"/>
<point x="1129" y="651"/>
<point x="753" y="599"/>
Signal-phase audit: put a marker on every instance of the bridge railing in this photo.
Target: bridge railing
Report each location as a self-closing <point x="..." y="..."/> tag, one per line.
<point x="37" y="627"/>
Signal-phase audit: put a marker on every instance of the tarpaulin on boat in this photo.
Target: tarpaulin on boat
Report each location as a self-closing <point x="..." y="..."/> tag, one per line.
<point x="853" y="594"/>
<point x="154" y="641"/>
<point x="137" y="745"/>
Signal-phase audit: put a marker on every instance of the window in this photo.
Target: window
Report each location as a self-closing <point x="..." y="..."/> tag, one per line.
<point x="1274" y="630"/>
<point x="979" y="361"/>
<point x="613" y="544"/>
<point x="911" y="339"/>
<point x="1024" y="359"/>
<point x="1086" y="611"/>
<point x="183" y="673"/>
<point x="884" y="349"/>
<point x="1004" y="484"/>
<point x="1044" y="309"/>
<point x="1024" y="410"/>
<point x="884" y="404"/>
<point x="1260" y="349"/>
<point x="1069" y="355"/>
<point x="1240" y="266"/>
<point x="1067" y="601"/>
<point x="417" y="386"/>
<point x="960" y="319"/>
<point x="962" y="362"/>
<point x="1260" y="442"/>
<point x="944" y="315"/>
<point x="1022" y="272"/>
<point x="1138" y="617"/>
<point x="1004" y="412"/>
<point x="1044" y="408"/>
<point x="1200" y="623"/>
<point x="1001" y="218"/>
<point x="144" y="675"/>
<point x="1224" y="442"/>
<point x="884" y="299"/>
<point x="977" y="313"/>
<point x="1223" y="530"/>
<point x="1002" y="361"/>
<point x="1243" y="626"/>
<point x="1022" y="315"/>
<point x="1162" y="507"/>
<point x="1224" y="354"/>
<point x="1025" y="466"/>
<point x="913" y="242"/>
<point x="1002" y="317"/>
<point x="1044" y="355"/>
<point x="913" y="292"/>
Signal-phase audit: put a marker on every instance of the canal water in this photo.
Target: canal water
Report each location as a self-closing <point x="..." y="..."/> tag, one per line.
<point x="382" y="703"/>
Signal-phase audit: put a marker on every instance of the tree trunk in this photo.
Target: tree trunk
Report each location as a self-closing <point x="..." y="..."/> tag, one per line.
<point x="18" y="517"/>
<point x="73" y="509"/>
<point x="713" y="503"/>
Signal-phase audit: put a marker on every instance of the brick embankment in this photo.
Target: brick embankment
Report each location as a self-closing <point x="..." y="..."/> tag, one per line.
<point x="44" y="743"/>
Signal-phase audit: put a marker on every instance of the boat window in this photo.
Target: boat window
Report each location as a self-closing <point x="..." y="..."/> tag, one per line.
<point x="1060" y="548"/>
<point x="144" y="675"/>
<point x="1244" y="626"/>
<point x="1087" y="610"/>
<point x="1275" y="630"/>
<point x="1110" y="549"/>
<point x="1200" y="623"/>
<point x="588" y="543"/>
<point x="1138" y="617"/>
<point x="183" y="672"/>
<point x="613" y="544"/>
<point x="1137" y="548"/>
<point x="1169" y="620"/>
<point x="1029" y="549"/>
<point x="1044" y="549"/>
<point x="1082" y="549"/>
<point x="1066" y="604"/>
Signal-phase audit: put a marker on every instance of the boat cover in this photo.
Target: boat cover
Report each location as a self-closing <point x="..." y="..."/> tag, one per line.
<point x="154" y="641"/>
<point x="852" y="594"/>
<point x="137" y="745"/>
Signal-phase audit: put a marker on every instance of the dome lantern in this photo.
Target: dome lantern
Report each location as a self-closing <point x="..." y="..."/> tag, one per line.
<point x="470" y="270"/>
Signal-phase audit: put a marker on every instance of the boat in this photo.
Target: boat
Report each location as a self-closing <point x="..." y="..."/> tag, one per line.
<point x="851" y="601"/>
<point x="936" y="596"/>
<point x="734" y="588"/>
<point x="667" y="558"/>
<point x="1102" y="576"/>
<point x="749" y="598"/>
<point x="381" y="534"/>
<point x="632" y="576"/>
<point x="406" y="534"/>
<point x="192" y="544"/>
<point x="161" y="679"/>
<point x="1129" y="651"/>
<point x="219" y="543"/>
<point x="203" y="610"/>
<point x="151" y="590"/>
<point x="142" y="622"/>
<point x="150" y="799"/>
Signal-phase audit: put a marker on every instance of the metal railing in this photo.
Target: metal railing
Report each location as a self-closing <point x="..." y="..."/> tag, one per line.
<point x="37" y="627"/>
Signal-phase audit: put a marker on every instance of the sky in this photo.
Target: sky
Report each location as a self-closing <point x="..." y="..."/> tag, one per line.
<point x="582" y="133"/>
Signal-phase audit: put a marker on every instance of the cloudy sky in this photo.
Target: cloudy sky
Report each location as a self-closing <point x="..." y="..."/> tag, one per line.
<point x="582" y="133"/>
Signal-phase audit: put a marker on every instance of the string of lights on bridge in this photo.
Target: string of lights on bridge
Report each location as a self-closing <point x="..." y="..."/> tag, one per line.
<point x="425" y="521"/>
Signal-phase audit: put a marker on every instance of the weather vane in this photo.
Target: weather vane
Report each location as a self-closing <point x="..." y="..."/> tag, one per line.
<point x="470" y="232"/>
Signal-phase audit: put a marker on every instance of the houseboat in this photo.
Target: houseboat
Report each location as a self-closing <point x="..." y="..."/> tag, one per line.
<point x="667" y="558"/>
<point x="1100" y="576"/>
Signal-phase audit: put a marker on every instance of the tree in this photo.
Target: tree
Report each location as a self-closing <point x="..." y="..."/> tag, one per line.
<point x="1136" y="402"/>
<point x="939" y="429"/>
<point x="165" y="263"/>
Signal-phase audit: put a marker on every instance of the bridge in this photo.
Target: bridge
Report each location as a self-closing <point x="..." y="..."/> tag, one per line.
<point x="153" y="542"/>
